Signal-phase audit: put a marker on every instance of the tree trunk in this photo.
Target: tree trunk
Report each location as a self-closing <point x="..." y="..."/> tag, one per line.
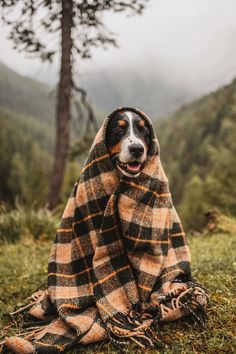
<point x="62" y="106"/>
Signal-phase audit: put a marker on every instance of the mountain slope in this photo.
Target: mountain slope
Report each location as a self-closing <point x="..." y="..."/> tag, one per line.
<point x="25" y="160"/>
<point x="26" y="138"/>
<point x="25" y="95"/>
<point x="198" y="151"/>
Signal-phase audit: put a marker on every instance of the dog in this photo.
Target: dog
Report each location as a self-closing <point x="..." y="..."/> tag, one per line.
<point x="128" y="141"/>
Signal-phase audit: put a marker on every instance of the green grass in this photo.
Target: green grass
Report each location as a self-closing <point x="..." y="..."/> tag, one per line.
<point x="23" y="268"/>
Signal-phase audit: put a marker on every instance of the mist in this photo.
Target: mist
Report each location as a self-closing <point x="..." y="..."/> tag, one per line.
<point x="186" y="46"/>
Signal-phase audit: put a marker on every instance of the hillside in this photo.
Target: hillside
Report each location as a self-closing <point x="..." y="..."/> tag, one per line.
<point x="198" y="151"/>
<point x="26" y="138"/>
<point x="25" y="158"/>
<point x="24" y="95"/>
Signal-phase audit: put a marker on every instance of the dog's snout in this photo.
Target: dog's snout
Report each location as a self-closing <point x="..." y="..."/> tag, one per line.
<point x="136" y="150"/>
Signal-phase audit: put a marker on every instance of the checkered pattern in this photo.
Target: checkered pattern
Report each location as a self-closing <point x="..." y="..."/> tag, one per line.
<point x="120" y="240"/>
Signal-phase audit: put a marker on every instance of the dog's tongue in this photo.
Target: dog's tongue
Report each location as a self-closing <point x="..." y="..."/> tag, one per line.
<point x="134" y="167"/>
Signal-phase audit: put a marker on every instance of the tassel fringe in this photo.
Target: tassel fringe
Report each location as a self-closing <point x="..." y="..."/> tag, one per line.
<point x="190" y="302"/>
<point x="133" y="327"/>
<point x="143" y="329"/>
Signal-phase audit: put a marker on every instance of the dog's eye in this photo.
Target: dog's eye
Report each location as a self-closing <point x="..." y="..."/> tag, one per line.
<point x="143" y="129"/>
<point x="120" y="130"/>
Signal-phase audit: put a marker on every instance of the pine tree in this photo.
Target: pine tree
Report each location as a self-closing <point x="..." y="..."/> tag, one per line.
<point x="78" y="26"/>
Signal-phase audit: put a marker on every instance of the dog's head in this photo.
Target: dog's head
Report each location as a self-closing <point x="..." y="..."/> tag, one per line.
<point x="128" y="141"/>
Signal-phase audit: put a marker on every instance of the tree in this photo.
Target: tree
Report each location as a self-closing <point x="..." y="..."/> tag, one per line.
<point x="79" y="26"/>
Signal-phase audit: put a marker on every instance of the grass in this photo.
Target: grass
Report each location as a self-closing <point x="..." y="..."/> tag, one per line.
<point x="23" y="268"/>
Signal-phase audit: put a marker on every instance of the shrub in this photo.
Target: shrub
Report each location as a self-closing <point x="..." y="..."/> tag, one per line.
<point x="40" y="224"/>
<point x="11" y="225"/>
<point x="20" y="222"/>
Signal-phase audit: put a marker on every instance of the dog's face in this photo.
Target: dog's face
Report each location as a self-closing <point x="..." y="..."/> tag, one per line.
<point x="128" y="141"/>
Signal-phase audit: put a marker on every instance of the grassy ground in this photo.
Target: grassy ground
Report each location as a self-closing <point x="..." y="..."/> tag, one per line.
<point x="23" y="268"/>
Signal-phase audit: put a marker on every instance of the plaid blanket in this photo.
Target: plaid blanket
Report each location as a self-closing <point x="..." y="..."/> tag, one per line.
<point x="119" y="246"/>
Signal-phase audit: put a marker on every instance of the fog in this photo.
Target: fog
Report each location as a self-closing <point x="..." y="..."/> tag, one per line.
<point x="185" y="43"/>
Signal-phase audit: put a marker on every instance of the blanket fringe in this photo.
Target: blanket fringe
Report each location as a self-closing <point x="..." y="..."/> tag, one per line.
<point x="35" y="298"/>
<point x="134" y="327"/>
<point x="143" y="328"/>
<point x="29" y="329"/>
<point x="190" y="302"/>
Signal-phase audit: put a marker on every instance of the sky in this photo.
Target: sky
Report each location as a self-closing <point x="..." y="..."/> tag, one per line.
<point x="190" y="42"/>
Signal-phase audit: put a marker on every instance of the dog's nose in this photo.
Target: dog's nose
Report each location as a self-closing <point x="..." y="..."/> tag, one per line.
<point x="136" y="150"/>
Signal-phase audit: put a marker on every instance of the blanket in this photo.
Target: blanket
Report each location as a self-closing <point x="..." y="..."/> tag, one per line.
<point x="118" y="251"/>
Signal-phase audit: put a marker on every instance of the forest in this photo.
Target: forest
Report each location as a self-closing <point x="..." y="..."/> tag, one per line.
<point x="197" y="149"/>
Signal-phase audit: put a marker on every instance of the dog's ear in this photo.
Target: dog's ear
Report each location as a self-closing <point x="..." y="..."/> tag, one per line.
<point x="148" y="135"/>
<point x="108" y="134"/>
<point x="111" y="126"/>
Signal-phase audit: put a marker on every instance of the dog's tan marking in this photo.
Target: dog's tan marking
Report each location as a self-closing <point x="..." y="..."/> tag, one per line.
<point x="122" y="123"/>
<point x="141" y="123"/>
<point x="115" y="149"/>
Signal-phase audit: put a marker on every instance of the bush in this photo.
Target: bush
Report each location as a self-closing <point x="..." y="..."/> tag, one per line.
<point x="18" y="223"/>
<point x="194" y="205"/>
<point x="40" y="224"/>
<point x="11" y="225"/>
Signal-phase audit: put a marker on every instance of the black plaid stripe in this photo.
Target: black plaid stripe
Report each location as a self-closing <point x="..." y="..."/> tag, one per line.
<point x="55" y="343"/>
<point x="74" y="267"/>
<point x="160" y="197"/>
<point x="178" y="241"/>
<point x="73" y="193"/>
<point x="176" y="228"/>
<point x="66" y="223"/>
<point x="64" y="236"/>
<point x="117" y="281"/>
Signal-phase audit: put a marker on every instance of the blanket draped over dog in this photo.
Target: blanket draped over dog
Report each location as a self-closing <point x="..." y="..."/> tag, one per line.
<point x="119" y="246"/>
